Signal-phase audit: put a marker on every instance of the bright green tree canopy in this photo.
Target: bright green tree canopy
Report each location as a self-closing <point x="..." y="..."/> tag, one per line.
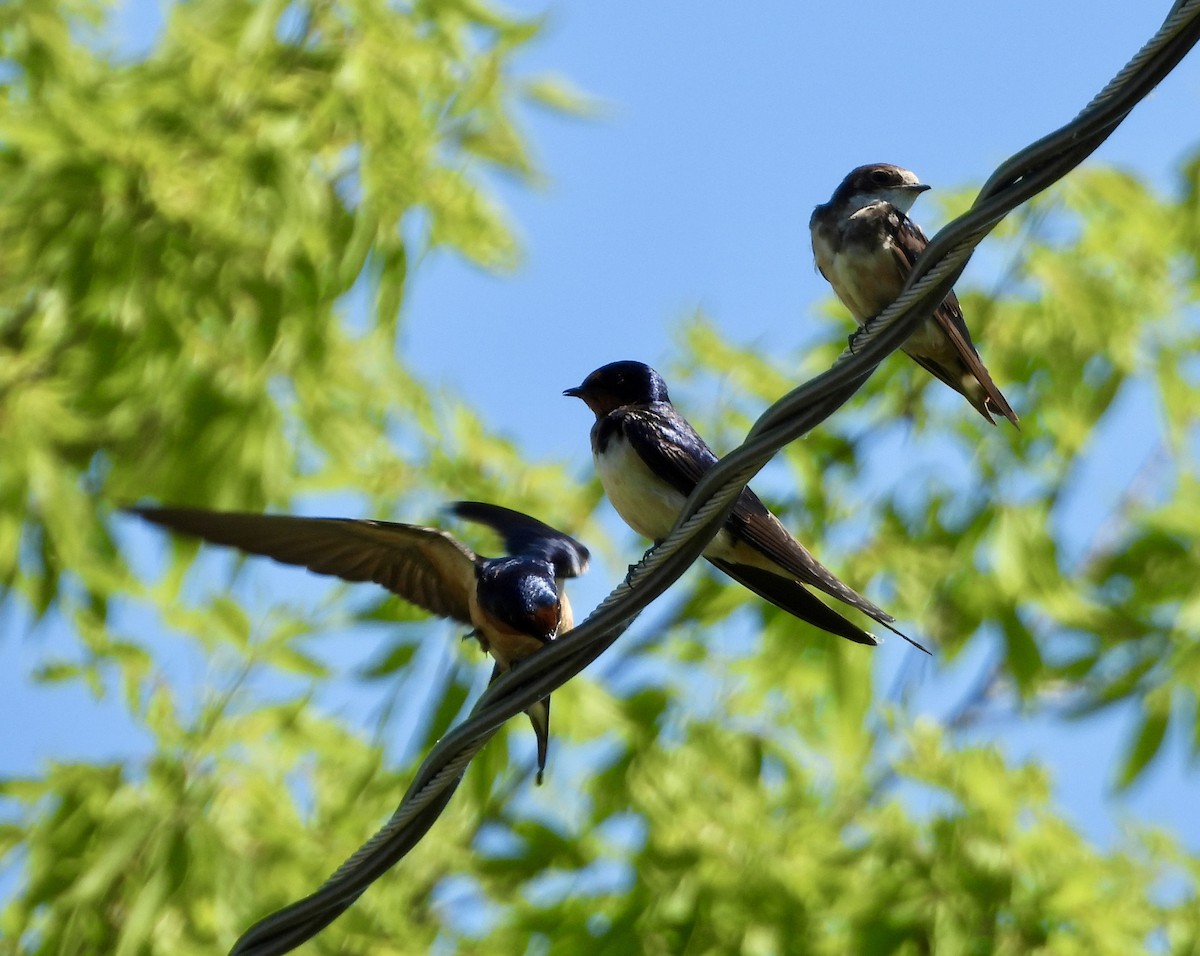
<point x="178" y="236"/>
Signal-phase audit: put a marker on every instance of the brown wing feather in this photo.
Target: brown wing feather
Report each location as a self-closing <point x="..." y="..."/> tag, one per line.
<point x="423" y="565"/>
<point x="909" y="243"/>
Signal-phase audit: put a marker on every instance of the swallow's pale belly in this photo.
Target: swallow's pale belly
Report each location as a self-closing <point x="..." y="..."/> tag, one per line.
<point x="646" y="503"/>
<point x="867" y="282"/>
<point x="651" y="506"/>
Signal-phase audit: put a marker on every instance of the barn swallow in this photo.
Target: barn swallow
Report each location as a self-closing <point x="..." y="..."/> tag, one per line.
<point x="866" y="245"/>
<point x="649" y="459"/>
<point x="514" y="604"/>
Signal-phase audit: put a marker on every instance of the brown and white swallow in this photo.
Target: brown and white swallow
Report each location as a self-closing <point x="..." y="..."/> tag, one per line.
<point x="515" y="604"/>
<point x="649" y="459"/>
<point x="866" y="245"/>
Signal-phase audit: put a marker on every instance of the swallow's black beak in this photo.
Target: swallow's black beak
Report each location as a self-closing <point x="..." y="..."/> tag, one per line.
<point x="576" y="392"/>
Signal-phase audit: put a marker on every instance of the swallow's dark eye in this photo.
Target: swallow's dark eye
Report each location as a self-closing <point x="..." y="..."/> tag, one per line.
<point x="881" y="177"/>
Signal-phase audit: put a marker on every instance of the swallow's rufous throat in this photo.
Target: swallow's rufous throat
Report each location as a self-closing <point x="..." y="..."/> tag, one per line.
<point x="865" y="245"/>
<point x="515" y="604"/>
<point x="649" y="459"/>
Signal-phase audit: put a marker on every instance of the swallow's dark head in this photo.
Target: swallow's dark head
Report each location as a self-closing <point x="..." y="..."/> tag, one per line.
<point x="619" y="384"/>
<point x="521" y="592"/>
<point x="879" y="181"/>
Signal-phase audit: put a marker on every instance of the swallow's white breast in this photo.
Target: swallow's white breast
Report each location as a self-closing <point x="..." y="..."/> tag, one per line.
<point x="646" y="503"/>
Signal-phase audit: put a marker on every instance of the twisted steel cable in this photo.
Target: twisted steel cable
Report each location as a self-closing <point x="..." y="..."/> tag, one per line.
<point x="1018" y="179"/>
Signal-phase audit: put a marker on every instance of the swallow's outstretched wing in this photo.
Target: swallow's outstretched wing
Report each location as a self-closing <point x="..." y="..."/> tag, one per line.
<point x="423" y="565"/>
<point x="524" y="535"/>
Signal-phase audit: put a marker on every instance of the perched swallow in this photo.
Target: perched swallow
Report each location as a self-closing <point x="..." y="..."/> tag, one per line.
<point x="515" y="604"/>
<point x="866" y="245"/>
<point x="649" y="459"/>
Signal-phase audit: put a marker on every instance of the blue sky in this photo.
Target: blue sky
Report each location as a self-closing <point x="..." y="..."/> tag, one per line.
<point x="722" y="125"/>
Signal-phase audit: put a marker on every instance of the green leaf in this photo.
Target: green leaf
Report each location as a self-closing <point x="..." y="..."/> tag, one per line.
<point x="394" y="658"/>
<point x="1148" y="740"/>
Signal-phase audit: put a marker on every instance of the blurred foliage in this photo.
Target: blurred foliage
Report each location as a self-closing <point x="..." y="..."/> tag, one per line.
<point x="179" y="233"/>
<point x="178" y="237"/>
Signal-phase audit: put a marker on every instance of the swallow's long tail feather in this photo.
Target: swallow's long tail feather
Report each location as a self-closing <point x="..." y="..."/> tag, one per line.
<point x="917" y="644"/>
<point x="798" y="601"/>
<point x="992" y="399"/>
<point x="987" y="398"/>
<point x="810" y="571"/>
<point x="539" y="716"/>
<point x="835" y="588"/>
<point x="999" y="404"/>
<point x="977" y="386"/>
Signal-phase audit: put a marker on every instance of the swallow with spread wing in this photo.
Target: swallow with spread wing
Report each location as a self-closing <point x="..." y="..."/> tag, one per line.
<point x="515" y="604"/>
<point x="866" y="245"/>
<point x="649" y="459"/>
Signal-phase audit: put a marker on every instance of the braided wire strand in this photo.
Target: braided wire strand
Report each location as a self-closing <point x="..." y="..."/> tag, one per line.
<point x="1014" y="182"/>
